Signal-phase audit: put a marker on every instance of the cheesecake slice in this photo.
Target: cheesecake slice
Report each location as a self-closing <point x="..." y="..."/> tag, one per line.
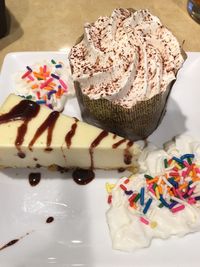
<point x="32" y="135"/>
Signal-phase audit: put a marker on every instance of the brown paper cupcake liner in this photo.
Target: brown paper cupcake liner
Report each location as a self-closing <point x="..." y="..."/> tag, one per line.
<point x="135" y="123"/>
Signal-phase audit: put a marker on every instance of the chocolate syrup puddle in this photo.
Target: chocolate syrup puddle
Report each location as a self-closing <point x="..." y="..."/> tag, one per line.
<point x="49" y="124"/>
<point x="12" y="242"/>
<point x="25" y="110"/>
<point x="94" y="144"/>
<point x="50" y="219"/>
<point x="34" y="178"/>
<point x="71" y="133"/>
<point x="127" y="154"/>
<point x="83" y="177"/>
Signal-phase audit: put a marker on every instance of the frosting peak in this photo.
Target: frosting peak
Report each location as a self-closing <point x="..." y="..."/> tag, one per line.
<point x="126" y="58"/>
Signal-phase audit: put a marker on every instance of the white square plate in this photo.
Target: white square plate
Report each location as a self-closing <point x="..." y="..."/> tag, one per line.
<point x="79" y="235"/>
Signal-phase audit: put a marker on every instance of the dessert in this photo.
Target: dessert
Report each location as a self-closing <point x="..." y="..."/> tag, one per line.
<point x="48" y="83"/>
<point x="123" y="71"/>
<point x="161" y="201"/>
<point x="33" y="135"/>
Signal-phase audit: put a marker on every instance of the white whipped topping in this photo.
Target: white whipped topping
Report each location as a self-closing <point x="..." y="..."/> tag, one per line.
<point x="126" y="58"/>
<point x="23" y="87"/>
<point x="127" y="231"/>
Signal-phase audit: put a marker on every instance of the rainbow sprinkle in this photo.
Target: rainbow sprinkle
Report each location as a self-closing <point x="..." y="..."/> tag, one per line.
<point x="174" y="189"/>
<point x="143" y="220"/>
<point x="46" y="86"/>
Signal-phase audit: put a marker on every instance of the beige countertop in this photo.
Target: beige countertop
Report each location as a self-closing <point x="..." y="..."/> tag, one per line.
<point x="51" y="25"/>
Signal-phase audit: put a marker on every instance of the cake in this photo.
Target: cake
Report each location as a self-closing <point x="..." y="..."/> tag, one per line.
<point x="33" y="135"/>
<point x="161" y="201"/>
<point x="48" y="83"/>
<point x="123" y="69"/>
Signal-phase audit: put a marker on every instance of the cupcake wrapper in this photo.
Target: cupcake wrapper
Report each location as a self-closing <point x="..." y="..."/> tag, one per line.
<point x="135" y="123"/>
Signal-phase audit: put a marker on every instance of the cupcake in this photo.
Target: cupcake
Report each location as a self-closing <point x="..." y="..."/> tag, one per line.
<point x="123" y="69"/>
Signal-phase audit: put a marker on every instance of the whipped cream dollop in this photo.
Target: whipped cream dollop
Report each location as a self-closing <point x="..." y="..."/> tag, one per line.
<point x="48" y="82"/>
<point x="126" y="58"/>
<point x="142" y="209"/>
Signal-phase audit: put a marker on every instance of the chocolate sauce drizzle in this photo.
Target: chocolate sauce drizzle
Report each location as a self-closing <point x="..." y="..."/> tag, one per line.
<point x="49" y="124"/>
<point x="83" y="177"/>
<point x="121" y="169"/>
<point x="50" y="219"/>
<point x="71" y="133"/>
<point x="94" y="144"/>
<point x="12" y="242"/>
<point x="34" y="178"/>
<point x="114" y="136"/>
<point x="115" y="145"/>
<point x="61" y="169"/>
<point x="127" y="155"/>
<point x="25" y="110"/>
<point x="38" y="165"/>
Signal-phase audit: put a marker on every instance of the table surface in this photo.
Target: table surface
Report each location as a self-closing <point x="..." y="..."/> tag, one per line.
<point x="51" y="25"/>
